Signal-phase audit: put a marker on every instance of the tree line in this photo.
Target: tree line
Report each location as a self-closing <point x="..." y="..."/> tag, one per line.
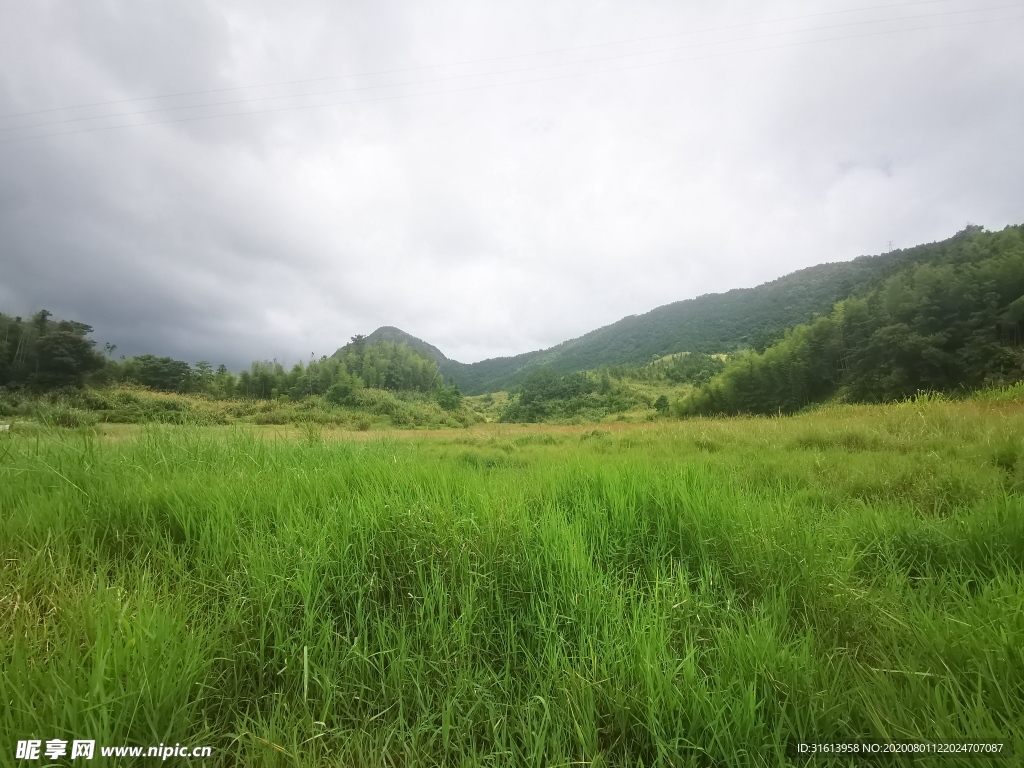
<point x="43" y="354"/>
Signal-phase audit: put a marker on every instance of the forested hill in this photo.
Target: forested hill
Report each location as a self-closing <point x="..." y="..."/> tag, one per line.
<point x="721" y="322"/>
<point x="952" y="324"/>
<point x="398" y="336"/>
<point x="717" y="322"/>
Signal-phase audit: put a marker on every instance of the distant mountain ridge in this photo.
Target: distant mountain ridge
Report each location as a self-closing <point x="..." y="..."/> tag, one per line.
<point x="716" y="322"/>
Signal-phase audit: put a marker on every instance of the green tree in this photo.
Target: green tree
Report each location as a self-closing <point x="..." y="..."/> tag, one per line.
<point x="449" y="398"/>
<point x="345" y="390"/>
<point x="161" y="373"/>
<point x="44" y="353"/>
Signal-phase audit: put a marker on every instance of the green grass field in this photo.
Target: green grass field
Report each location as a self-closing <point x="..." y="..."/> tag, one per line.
<point x="685" y="593"/>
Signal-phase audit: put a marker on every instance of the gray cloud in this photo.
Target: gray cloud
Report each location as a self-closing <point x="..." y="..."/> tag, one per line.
<point x="489" y="221"/>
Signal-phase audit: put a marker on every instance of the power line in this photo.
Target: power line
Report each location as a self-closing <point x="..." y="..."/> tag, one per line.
<point x="503" y="72"/>
<point x="514" y="82"/>
<point x="477" y="61"/>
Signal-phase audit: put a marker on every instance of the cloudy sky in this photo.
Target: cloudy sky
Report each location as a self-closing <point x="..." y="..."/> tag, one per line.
<point x="239" y="180"/>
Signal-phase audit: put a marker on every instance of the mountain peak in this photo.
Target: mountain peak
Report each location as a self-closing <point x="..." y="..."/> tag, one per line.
<point x="398" y="336"/>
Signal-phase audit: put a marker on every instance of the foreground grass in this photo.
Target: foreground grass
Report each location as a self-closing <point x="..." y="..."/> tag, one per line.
<point x="689" y="594"/>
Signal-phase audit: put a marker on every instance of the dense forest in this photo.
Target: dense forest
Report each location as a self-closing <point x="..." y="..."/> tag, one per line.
<point x="952" y="323"/>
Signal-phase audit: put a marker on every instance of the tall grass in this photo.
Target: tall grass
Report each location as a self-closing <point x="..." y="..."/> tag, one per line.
<point x="701" y="593"/>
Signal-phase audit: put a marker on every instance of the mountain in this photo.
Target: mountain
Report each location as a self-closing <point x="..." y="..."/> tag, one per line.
<point x="717" y="322"/>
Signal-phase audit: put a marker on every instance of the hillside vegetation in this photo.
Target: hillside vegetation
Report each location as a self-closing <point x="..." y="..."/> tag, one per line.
<point x="694" y="594"/>
<point x="713" y="323"/>
<point x="613" y="393"/>
<point x="950" y="324"/>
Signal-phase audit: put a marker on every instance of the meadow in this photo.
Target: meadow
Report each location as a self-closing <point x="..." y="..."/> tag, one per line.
<point x="130" y="404"/>
<point x="376" y="409"/>
<point x="703" y="592"/>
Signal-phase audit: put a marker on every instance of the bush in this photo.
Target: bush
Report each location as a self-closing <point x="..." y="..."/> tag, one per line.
<point x="62" y="415"/>
<point x="449" y="398"/>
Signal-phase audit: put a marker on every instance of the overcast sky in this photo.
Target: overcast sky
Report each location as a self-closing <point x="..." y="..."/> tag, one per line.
<point x="571" y="163"/>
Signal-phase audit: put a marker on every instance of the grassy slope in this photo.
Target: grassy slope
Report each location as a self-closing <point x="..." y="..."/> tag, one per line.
<point x="686" y="594"/>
